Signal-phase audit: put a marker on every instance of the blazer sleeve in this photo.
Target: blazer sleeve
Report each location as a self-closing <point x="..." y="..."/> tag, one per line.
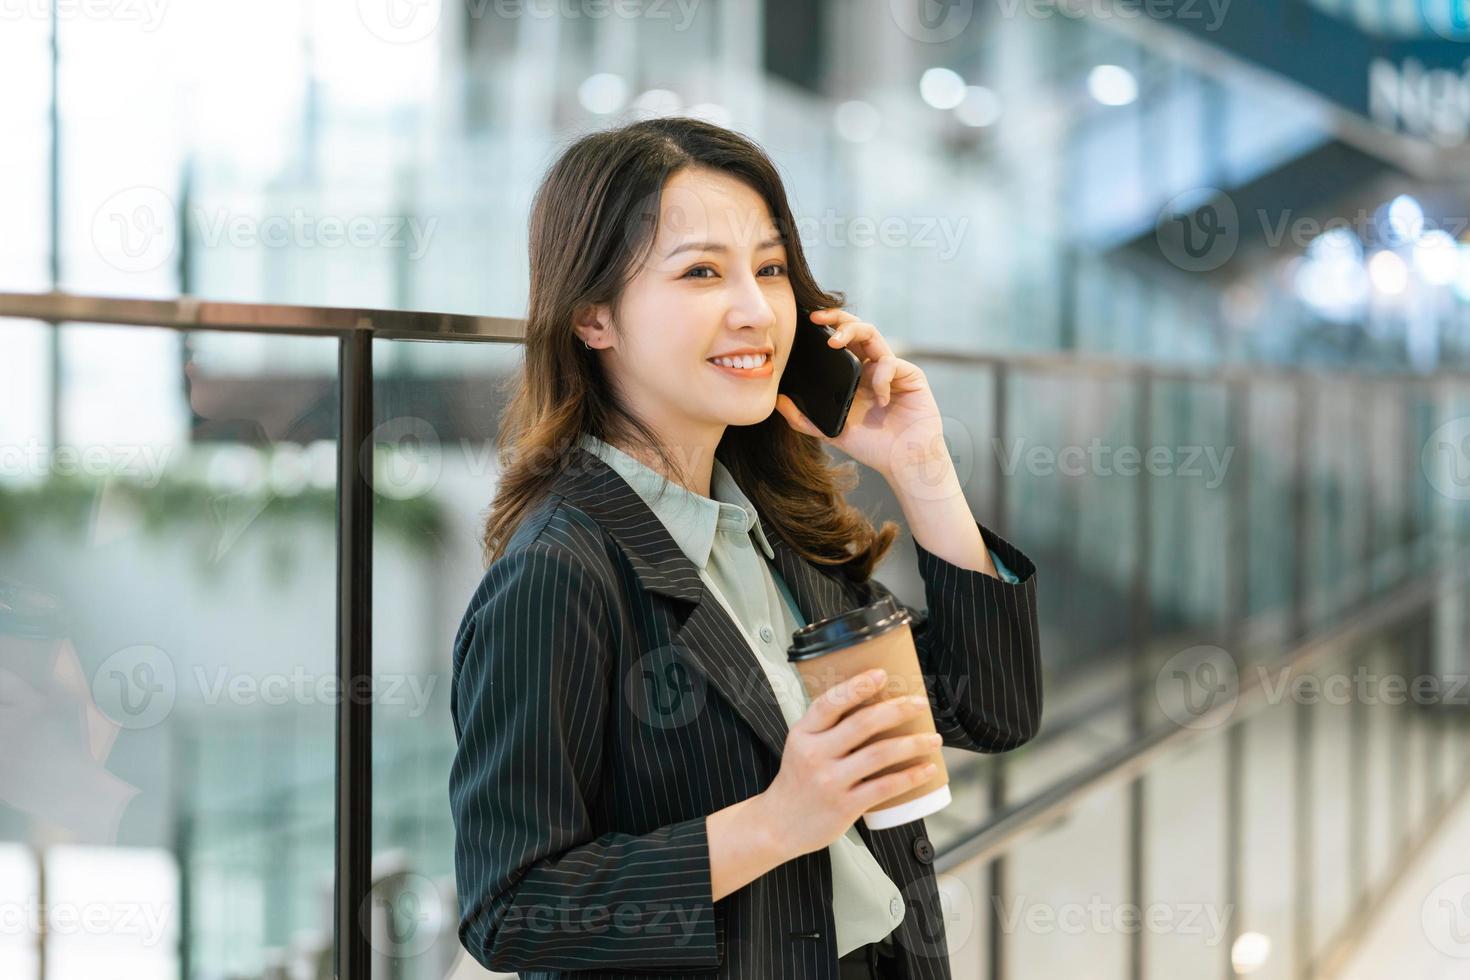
<point x="978" y="648"/>
<point x="539" y="888"/>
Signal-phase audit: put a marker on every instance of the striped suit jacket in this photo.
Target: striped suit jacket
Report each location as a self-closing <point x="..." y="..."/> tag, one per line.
<point x="604" y="705"/>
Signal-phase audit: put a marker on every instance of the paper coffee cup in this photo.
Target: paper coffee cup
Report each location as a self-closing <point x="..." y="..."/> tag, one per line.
<point x="830" y="651"/>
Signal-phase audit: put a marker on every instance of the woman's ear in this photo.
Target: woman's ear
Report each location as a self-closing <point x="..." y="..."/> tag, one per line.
<point x="593" y="324"/>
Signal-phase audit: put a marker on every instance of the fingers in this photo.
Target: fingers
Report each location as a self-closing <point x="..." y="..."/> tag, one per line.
<point x="828" y="709"/>
<point x="885" y="753"/>
<point x="874" y="791"/>
<point x="871" y="719"/>
<point x="883" y="379"/>
<point x="796" y="418"/>
<point x="862" y="338"/>
<point x="832" y="316"/>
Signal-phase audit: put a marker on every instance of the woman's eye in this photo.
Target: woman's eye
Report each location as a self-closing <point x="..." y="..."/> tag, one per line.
<point x="777" y="267"/>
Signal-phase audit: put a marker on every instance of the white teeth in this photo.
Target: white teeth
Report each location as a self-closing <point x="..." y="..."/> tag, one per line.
<point x="745" y="361"/>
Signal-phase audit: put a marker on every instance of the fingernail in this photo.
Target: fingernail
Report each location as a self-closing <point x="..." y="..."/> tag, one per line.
<point x="878" y="674"/>
<point x="919" y="699"/>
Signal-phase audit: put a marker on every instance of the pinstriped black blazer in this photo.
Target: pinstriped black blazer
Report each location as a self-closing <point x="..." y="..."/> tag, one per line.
<point x="604" y="705"/>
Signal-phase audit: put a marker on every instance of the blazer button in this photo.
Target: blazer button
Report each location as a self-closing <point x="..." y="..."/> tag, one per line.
<point x="923" y="850"/>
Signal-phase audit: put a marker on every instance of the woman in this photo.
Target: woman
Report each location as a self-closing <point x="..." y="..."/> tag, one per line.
<point x="641" y="786"/>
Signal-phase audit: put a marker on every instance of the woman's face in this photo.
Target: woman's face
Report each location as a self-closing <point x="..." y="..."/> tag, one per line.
<point x="715" y="280"/>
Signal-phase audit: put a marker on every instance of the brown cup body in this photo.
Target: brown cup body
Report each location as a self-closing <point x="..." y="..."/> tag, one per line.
<point x="894" y="651"/>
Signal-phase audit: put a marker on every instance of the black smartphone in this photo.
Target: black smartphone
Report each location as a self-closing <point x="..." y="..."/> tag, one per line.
<point x="819" y="378"/>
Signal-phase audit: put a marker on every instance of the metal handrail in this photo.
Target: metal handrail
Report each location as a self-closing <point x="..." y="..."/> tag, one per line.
<point x="193" y="313"/>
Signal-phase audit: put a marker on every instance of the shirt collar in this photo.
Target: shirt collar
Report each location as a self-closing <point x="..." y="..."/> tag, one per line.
<point x="692" y="520"/>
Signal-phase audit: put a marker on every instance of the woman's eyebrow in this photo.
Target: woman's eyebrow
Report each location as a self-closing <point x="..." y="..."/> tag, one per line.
<point x="718" y="247"/>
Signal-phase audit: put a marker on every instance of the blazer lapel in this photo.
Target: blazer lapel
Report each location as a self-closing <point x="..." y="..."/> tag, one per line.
<point x="819" y="594"/>
<point x="708" y="639"/>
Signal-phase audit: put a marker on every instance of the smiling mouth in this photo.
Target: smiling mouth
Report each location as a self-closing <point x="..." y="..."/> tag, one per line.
<point x="749" y="362"/>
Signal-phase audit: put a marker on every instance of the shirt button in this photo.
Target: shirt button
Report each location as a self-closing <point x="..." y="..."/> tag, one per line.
<point x="767" y="634"/>
<point x="895" y="908"/>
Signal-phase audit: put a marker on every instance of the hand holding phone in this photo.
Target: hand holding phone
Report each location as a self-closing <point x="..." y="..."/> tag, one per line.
<point x="819" y="378"/>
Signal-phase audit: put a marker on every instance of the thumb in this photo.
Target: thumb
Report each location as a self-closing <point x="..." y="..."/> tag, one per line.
<point x="795" y="417"/>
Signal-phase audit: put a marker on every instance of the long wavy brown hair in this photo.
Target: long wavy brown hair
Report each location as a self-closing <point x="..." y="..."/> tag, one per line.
<point x="592" y="219"/>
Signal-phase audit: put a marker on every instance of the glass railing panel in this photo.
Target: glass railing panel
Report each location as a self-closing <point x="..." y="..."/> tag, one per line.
<point x="1267" y="807"/>
<point x="435" y="474"/>
<point x="25" y="178"/>
<point x="1382" y="434"/>
<point x="1383" y="765"/>
<point x="1189" y="499"/>
<point x="172" y="637"/>
<point x="1186" y="913"/>
<point x="1272" y="445"/>
<point x="1071" y="506"/>
<point x="1062" y="913"/>
<point x="964" y="897"/>
<point x="1328" y="710"/>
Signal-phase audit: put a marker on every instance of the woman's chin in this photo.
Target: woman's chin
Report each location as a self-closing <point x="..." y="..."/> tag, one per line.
<point x="751" y="413"/>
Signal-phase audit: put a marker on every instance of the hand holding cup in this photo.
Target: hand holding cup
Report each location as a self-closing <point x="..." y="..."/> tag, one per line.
<point x="828" y="765"/>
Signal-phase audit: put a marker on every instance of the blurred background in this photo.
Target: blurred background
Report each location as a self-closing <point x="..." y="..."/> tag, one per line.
<point x="1191" y="279"/>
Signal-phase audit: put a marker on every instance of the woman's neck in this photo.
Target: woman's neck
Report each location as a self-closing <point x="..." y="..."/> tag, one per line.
<point x="696" y="460"/>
